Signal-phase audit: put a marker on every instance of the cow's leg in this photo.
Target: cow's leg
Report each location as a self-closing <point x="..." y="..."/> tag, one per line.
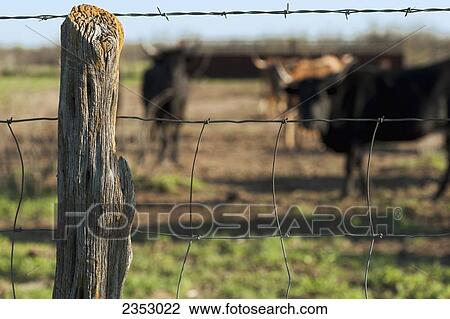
<point x="362" y="170"/>
<point x="445" y="178"/>
<point x="152" y="127"/>
<point x="174" y="142"/>
<point x="318" y="145"/>
<point x="271" y="106"/>
<point x="263" y="106"/>
<point x="347" y="186"/>
<point x="289" y="136"/>
<point x="144" y="139"/>
<point x="154" y="131"/>
<point x="163" y="137"/>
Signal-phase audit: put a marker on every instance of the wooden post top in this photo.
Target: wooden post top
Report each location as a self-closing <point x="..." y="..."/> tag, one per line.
<point x="86" y="18"/>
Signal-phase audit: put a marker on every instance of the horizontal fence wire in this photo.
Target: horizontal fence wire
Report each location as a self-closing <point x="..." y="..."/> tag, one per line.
<point x="372" y="235"/>
<point x="286" y="11"/>
<point x="240" y="121"/>
<point x="284" y="235"/>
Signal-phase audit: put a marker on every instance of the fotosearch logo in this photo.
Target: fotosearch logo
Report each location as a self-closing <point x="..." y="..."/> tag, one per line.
<point x="200" y="221"/>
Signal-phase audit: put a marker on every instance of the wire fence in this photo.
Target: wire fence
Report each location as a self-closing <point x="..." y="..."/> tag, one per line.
<point x="286" y="11"/>
<point x="372" y="236"/>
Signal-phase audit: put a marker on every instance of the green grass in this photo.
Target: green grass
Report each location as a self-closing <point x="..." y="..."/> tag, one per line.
<point x="39" y="200"/>
<point x="34" y="211"/>
<point x="34" y="183"/>
<point x="41" y="77"/>
<point x="34" y="269"/>
<point x="14" y="86"/>
<point x="38" y="206"/>
<point x="247" y="269"/>
<point x="435" y="160"/>
<point x="25" y="83"/>
<point x="34" y="78"/>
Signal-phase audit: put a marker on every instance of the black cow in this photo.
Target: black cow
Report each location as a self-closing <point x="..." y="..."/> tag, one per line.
<point x="165" y="92"/>
<point x="366" y="92"/>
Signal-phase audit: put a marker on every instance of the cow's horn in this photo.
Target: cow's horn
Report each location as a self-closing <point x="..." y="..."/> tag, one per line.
<point x="347" y="58"/>
<point x="284" y="75"/>
<point x="260" y="63"/>
<point x="149" y="50"/>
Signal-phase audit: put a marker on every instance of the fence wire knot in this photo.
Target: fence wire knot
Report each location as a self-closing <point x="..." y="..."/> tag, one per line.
<point x="162" y="14"/>
<point x="408" y="10"/>
<point x="9" y="121"/>
<point x="45" y="17"/>
<point x="224" y="14"/>
<point x="286" y="11"/>
<point x="284" y="121"/>
<point x="347" y="14"/>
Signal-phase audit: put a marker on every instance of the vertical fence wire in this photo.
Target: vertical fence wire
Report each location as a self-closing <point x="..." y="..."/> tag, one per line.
<point x="13" y="234"/>
<point x="188" y="248"/>
<point x="275" y="209"/>
<point x="369" y="212"/>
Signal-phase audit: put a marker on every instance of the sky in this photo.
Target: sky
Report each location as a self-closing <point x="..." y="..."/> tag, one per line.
<point x="218" y="28"/>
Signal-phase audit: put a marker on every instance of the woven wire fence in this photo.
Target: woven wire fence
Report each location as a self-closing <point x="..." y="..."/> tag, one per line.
<point x="372" y="235"/>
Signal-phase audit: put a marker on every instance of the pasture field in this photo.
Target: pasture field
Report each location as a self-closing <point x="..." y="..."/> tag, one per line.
<point x="233" y="165"/>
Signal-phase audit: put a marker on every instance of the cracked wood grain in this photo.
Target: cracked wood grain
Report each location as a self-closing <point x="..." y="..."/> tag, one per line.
<point x="95" y="188"/>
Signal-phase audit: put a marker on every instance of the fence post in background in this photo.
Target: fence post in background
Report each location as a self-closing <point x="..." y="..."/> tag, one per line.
<point x="95" y="188"/>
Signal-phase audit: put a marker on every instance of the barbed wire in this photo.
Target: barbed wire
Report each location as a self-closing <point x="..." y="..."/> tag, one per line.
<point x="286" y="11"/>
<point x="372" y="235"/>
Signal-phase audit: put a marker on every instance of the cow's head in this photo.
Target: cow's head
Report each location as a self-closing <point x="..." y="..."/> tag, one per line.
<point x="274" y="68"/>
<point x="172" y="57"/>
<point x="315" y="94"/>
<point x="312" y="98"/>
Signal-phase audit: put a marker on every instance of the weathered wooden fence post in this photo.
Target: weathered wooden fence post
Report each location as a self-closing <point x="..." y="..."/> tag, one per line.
<point x="95" y="188"/>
